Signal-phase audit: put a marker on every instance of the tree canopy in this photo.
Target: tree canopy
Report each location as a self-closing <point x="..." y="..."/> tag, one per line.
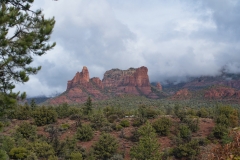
<point x="24" y="33"/>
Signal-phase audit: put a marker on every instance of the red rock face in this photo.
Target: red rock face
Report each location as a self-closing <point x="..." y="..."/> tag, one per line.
<point x="221" y="93"/>
<point x="97" y="82"/>
<point x="79" y="79"/>
<point x="133" y="81"/>
<point x="159" y="86"/>
<point x="115" y="82"/>
<point x="182" y="94"/>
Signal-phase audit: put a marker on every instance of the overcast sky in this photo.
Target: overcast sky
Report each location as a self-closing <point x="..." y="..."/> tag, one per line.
<point x="174" y="39"/>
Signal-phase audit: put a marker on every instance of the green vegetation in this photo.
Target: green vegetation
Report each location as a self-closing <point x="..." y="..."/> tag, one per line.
<point x="168" y="131"/>
<point x="85" y="133"/>
<point x="30" y="35"/>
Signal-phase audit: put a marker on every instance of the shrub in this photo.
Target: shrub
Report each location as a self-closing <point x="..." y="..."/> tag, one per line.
<point x="76" y="156"/>
<point x="105" y="147"/>
<point x="187" y="150"/>
<point x="18" y="153"/>
<point x="23" y="112"/>
<point x="125" y="123"/>
<point x="84" y="133"/>
<point x="7" y="143"/>
<point x="162" y="126"/>
<point x="64" y="127"/>
<point x="220" y="131"/>
<point x="43" y="116"/>
<point x="184" y="132"/>
<point x="98" y="120"/>
<point x="137" y="122"/>
<point x="62" y="110"/>
<point x="3" y="155"/>
<point x="27" y="130"/>
<point x="192" y="123"/>
<point x="42" y="149"/>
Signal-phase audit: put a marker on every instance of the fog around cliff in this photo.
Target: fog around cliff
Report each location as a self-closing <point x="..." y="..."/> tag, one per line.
<point x="175" y="39"/>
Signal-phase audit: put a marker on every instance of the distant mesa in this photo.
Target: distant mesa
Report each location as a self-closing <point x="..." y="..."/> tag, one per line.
<point x="115" y="82"/>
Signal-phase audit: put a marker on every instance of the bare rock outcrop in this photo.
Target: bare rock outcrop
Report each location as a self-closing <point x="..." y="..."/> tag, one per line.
<point x="132" y="81"/>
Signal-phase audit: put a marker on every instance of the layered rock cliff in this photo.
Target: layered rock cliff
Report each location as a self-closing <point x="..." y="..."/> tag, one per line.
<point x="115" y="82"/>
<point x="133" y="81"/>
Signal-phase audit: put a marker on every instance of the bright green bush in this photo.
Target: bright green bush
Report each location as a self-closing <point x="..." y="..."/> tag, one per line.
<point x="44" y="115"/>
<point x="125" y="123"/>
<point x="27" y="130"/>
<point x="18" y="153"/>
<point x="162" y="126"/>
<point x="42" y="149"/>
<point x="84" y="133"/>
<point x="76" y="156"/>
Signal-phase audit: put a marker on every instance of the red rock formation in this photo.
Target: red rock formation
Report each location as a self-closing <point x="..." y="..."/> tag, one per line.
<point x="115" y="82"/>
<point x="221" y="93"/>
<point x="182" y="94"/>
<point x="133" y="81"/>
<point x="97" y="82"/>
<point x="159" y="86"/>
<point x="79" y="78"/>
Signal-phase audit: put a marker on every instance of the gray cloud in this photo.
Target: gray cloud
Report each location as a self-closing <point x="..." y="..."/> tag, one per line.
<point x="174" y="39"/>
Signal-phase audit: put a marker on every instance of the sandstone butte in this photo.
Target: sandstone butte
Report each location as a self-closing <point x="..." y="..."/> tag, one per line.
<point x="115" y="82"/>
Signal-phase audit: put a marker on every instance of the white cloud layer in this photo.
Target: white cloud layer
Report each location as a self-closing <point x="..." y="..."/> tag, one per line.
<point x="174" y="39"/>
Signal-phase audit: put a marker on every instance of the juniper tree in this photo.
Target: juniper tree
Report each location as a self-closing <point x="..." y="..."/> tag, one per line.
<point x="24" y="33"/>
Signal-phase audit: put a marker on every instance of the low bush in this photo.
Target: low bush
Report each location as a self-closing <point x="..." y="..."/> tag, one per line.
<point x="84" y="133"/>
<point x="44" y="115"/>
<point x="125" y="123"/>
<point x="162" y="126"/>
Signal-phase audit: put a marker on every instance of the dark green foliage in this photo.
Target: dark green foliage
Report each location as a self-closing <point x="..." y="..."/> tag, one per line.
<point x="44" y="115"/>
<point x="98" y="120"/>
<point x="85" y="132"/>
<point x="192" y="123"/>
<point x="203" y="113"/>
<point x="220" y="131"/>
<point x="62" y="110"/>
<point x="185" y="132"/>
<point x="87" y="109"/>
<point x="162" y="126"/>
<point x="125" y="123"/>
<point x="147" y="112"/>
<point x="31" y="33"/>
<point x="227" y="116"/>
<point x="3" y="155"/>
<point x="187" y="150"/>
<point x="27" y="130"/>
<point x="105" y="147"/>
<point x="22" y="112"/>
<point x="137" y="122"/>
<point x="147" y="147"/>
<point x="19" y="153"/>
<point x="7" y="143"/>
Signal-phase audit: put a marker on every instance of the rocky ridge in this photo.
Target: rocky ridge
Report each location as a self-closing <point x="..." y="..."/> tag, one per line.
<point x="115" y="82"/>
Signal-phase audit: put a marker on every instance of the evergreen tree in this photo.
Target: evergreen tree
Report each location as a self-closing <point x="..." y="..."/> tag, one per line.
<point x="147" y="148"/>
<point x="88" y="106"/>
<point x="31" y="34"/>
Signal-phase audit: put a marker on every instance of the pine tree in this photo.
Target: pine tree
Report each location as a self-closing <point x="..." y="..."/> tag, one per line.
<point x="148" y="147"/>
<point x="88" y="106"/>
<point x="31" y="34"/>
